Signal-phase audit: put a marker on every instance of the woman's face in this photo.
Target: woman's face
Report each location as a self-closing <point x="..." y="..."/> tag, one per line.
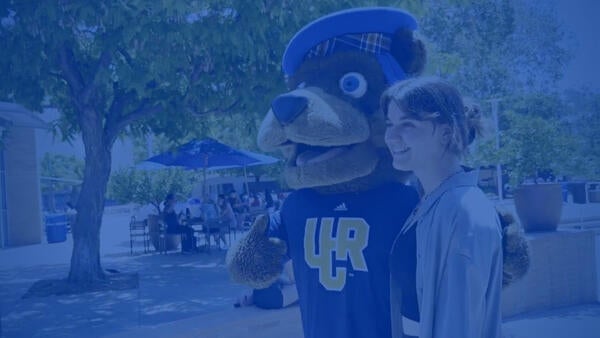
<point x="414" y="144"/>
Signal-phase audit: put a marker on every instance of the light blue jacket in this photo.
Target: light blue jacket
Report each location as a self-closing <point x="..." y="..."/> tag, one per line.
<point x="459" y="263"/>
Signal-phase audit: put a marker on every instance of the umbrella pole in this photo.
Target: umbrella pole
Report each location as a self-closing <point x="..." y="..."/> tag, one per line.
<point x="246" y="181"/>
<point x="203" y="182"/>
<point x="204" y="175"/>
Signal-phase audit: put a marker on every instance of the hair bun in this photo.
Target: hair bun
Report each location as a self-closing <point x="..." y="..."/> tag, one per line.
<point x="473" y="120"/>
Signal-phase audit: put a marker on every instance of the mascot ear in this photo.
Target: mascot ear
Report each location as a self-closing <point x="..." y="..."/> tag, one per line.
<point x="408" y="51"/>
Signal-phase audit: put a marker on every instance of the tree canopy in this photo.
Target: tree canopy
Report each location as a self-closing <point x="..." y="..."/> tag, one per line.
<point x="114" y="67"/>
<point x="150" y="186"/>
<point x="495" y="49"/>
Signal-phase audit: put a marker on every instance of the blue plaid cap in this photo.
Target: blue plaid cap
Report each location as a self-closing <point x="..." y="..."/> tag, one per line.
<point x="374" y="43"/>
<point x="366" y="29"/>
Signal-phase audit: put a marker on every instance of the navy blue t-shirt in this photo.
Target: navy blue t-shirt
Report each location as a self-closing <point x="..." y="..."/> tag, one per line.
<point x="340" y="246"/>
<point x="403" y="271"/>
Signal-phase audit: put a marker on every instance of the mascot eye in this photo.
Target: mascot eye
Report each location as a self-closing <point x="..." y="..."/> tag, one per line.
<point x="353" y="84"/>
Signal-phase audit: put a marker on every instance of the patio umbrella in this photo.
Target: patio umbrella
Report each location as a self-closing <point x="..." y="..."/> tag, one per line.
<point x="210" y="154"/>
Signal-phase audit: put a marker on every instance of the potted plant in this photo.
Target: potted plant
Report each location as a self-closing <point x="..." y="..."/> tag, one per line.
<point x="531" y="146"/>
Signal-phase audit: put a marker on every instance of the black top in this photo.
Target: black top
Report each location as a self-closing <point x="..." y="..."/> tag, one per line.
<point x="403" y="268"/>
<point x="171" y="220"/>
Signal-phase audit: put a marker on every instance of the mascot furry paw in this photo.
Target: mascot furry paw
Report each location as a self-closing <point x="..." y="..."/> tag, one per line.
<point x="515" y="249"/>
<point x="256" y="260"/>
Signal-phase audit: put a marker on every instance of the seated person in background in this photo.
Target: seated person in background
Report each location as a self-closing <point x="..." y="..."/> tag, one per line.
<point x="238" y="207"/>
<point x="212" y="220"/>
<point x="227" y="216"/>
<point x="243" y="212"/>
<point x="278" y="295"/>
<point x="255" y="201"/>
<point x="269" y="202"/>
<point x="171" y="219"/>
<point x="193" y="211"/>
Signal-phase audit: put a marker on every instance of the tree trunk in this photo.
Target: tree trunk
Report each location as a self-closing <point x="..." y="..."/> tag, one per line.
<point x="85" y="260"/>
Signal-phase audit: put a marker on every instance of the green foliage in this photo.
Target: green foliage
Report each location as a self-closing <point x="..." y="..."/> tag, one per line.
<point x="494" y="48"/>
<point x="532" y="144"/>
<point x="545" y="131"/>
<point x="150" y="187"/>
<point x="61" y="167"/>
<point x="581" y="119"/>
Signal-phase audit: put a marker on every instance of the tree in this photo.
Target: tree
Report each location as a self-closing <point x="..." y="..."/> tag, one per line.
<point x="508" y="49"/>
<point x="62" y="166"/>
<point x="495" y="48"/>
<point x="581" y="119"/>
<point x="111" y="65"/>
<point x="532" y="144"/>
<point x="150" y="187"/>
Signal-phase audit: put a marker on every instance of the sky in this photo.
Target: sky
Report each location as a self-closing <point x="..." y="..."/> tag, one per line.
<point x="579" y="17"/>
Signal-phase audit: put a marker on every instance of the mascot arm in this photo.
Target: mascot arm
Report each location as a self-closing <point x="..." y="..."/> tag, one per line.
<point x="256" y="260"/>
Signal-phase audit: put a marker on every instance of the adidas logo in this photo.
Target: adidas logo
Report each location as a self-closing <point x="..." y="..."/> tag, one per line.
<point x="341" y="207"/>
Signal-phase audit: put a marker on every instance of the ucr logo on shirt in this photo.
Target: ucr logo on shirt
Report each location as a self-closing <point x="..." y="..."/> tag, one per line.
<point x="348" y="243"/>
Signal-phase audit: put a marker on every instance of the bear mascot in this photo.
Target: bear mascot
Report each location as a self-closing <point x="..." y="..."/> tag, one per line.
<point x="339" y="224"/>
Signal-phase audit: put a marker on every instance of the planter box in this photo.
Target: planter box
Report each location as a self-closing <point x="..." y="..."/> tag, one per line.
<point x="539" y="206"/>
<point x="563" y="271"/>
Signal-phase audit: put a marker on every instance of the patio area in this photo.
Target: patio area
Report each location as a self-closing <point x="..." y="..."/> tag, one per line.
<point x="189" y="296"/>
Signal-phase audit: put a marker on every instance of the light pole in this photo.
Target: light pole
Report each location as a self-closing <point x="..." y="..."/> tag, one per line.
<point x="494" y="103"/>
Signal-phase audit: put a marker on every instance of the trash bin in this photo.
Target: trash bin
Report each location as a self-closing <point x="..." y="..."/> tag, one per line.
<point x="56" y="228"/>
<point x="577" y="190"/>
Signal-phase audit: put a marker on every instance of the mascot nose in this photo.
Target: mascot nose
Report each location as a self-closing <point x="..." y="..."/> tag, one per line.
<point x="288" y="107"/>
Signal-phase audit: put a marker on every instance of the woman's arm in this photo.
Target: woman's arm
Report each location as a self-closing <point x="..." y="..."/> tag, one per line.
<point x="467" y="302"/>
<point x="288" y="269"/>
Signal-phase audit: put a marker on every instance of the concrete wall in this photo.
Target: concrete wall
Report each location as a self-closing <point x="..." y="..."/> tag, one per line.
<point x="22" y="188"/>
<point x="563" y="272"/>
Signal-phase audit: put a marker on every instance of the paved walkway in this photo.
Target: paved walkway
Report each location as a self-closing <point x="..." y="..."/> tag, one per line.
<point x="171" y="287"/>
<point x="573" y="322"/>
<point x="183" y="296"/>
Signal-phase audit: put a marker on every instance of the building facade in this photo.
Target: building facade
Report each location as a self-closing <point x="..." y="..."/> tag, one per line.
<point x="21" y="217"/>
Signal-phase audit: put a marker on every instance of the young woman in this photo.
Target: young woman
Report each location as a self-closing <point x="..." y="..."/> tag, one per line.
<point x="446" y="263"/>
<point x="226" y="219"/>
<point x="171" y="218"/>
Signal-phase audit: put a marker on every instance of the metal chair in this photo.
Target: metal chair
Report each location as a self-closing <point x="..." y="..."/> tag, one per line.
<point x="214" y="227"/>
<point x="138" y="233"/>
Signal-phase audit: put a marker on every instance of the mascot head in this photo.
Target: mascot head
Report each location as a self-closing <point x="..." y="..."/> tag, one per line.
<point x="328" y="125"/>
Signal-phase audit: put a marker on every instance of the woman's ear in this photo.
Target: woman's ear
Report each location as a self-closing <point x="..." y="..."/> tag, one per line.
<point x="445" y="134"/>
